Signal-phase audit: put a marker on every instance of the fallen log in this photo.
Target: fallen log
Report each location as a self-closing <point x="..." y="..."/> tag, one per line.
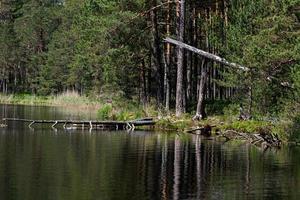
<point x="205" y="130"/>
<point x="194" y="130"/>
<point x="206" y="54"/>
<point x="3" y="125"/>
<point x="268" y="140"/>
<point x="221" y="60"/>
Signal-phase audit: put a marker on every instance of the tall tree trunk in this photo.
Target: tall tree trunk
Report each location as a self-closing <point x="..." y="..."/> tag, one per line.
<point x="196" y="42"/>
<point x="167" y="82"/>
<point x="143" y="84"/>
<point x="167" y="62"/>
<point x="179" y="85"/>
<point x="149" y="78"/>
<point x="189" y="55"/>
<point x="157" y="55"/>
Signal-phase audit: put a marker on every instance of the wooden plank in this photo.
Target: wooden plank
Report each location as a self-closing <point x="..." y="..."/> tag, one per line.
<point x="139" y="122"/>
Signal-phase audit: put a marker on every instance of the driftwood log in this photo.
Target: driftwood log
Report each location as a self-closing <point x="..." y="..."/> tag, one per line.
<point x="267" y="140"/>
<point x="205" y="130"/>
<point x="262" y="139"/>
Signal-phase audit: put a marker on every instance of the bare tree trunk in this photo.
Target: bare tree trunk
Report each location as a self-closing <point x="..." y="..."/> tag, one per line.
<point x="200" y="112"/>
<point x="167" y="63"/>
<point x="149" y="80"/>
<point x="143" y="85"/>
<point x="189" y="56"/>
<point x="250" y="101"/>
<point x="179" y="85"/>
<point x="206" y="54"/>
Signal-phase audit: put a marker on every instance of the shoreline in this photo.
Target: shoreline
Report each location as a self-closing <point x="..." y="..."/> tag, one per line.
<point x="218" y="123"/>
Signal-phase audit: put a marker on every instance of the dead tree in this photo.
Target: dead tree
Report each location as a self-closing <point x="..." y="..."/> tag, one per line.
<point x="200" y="112"/>
<point x="206" y="54"/>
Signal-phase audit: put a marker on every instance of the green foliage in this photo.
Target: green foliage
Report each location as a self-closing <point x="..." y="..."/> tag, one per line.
<point x="103" y="49"/>
<point x="265" y="38"/>
<point x="295" y="129"/>
<point x="249" y="126"/>
<point x="121" y="110"/>
<point x="64" y="99"/>
<point x="232" y="110"/>
<point x="75" y="45"/>
<point x="296" y="82"/>
<point x="256" y="127"/>
<point x="217" y="107"/>
<point x="125" y="115"/>
<point x="174" y="124"/>
<point x="105" y="112"/>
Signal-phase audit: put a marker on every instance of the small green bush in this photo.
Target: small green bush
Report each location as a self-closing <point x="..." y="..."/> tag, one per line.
<point x="172" y="123"/>
<point x="231" y="111"/>
<point x="250" y="126"/>
<point x="217" y="107"/>
<point x="105" y="112"/>
<point x="295" y="129"/>
<point x="123" y="115"/>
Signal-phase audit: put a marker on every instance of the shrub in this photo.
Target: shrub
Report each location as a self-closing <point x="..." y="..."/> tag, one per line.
<point x="217" y="107"/>
<point x="231" y="111"/>
<point x="295" y="129"/>
<point x="105" y="112"/>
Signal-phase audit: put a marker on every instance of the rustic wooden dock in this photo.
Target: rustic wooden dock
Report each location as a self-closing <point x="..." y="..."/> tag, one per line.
<point x="85" y="124"/>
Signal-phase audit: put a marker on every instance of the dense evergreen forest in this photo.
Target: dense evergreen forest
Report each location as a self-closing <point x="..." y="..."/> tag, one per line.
<point x="117" y="46"/>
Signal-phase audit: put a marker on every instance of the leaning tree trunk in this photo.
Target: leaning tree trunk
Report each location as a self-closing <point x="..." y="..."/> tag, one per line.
<point x="179" y="85"/>
<point x="205" y="54"/>
<point x="200" y="112"/>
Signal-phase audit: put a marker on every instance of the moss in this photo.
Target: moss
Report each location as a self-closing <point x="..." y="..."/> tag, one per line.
<point x="250" y="126"/>
<point x="294" y="129"/>
<point x="260" y="127"/>
<point x="222" y="123"/>
<point x="173" y="124"/>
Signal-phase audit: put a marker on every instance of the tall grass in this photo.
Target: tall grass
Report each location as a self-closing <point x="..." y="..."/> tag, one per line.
<point x="5" y="98"/>
<point x="68" y="98"/>
<point x="72" y="98"/>
<point x="24" y="99"/>
<point x="121" y="111"/>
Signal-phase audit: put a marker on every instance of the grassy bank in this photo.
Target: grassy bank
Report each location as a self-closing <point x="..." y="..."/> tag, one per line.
<point x="122" y="110"/>
<point x="168" y="121"/>
<point x="221" y="124"/>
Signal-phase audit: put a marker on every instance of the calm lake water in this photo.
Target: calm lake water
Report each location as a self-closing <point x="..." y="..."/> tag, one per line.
<point x="42" y="164"/>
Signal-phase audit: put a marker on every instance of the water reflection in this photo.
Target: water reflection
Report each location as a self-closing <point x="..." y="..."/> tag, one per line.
<point x="80" y="165"/>
<point x="42" y="164"/>
<point x="45" y="112"/>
